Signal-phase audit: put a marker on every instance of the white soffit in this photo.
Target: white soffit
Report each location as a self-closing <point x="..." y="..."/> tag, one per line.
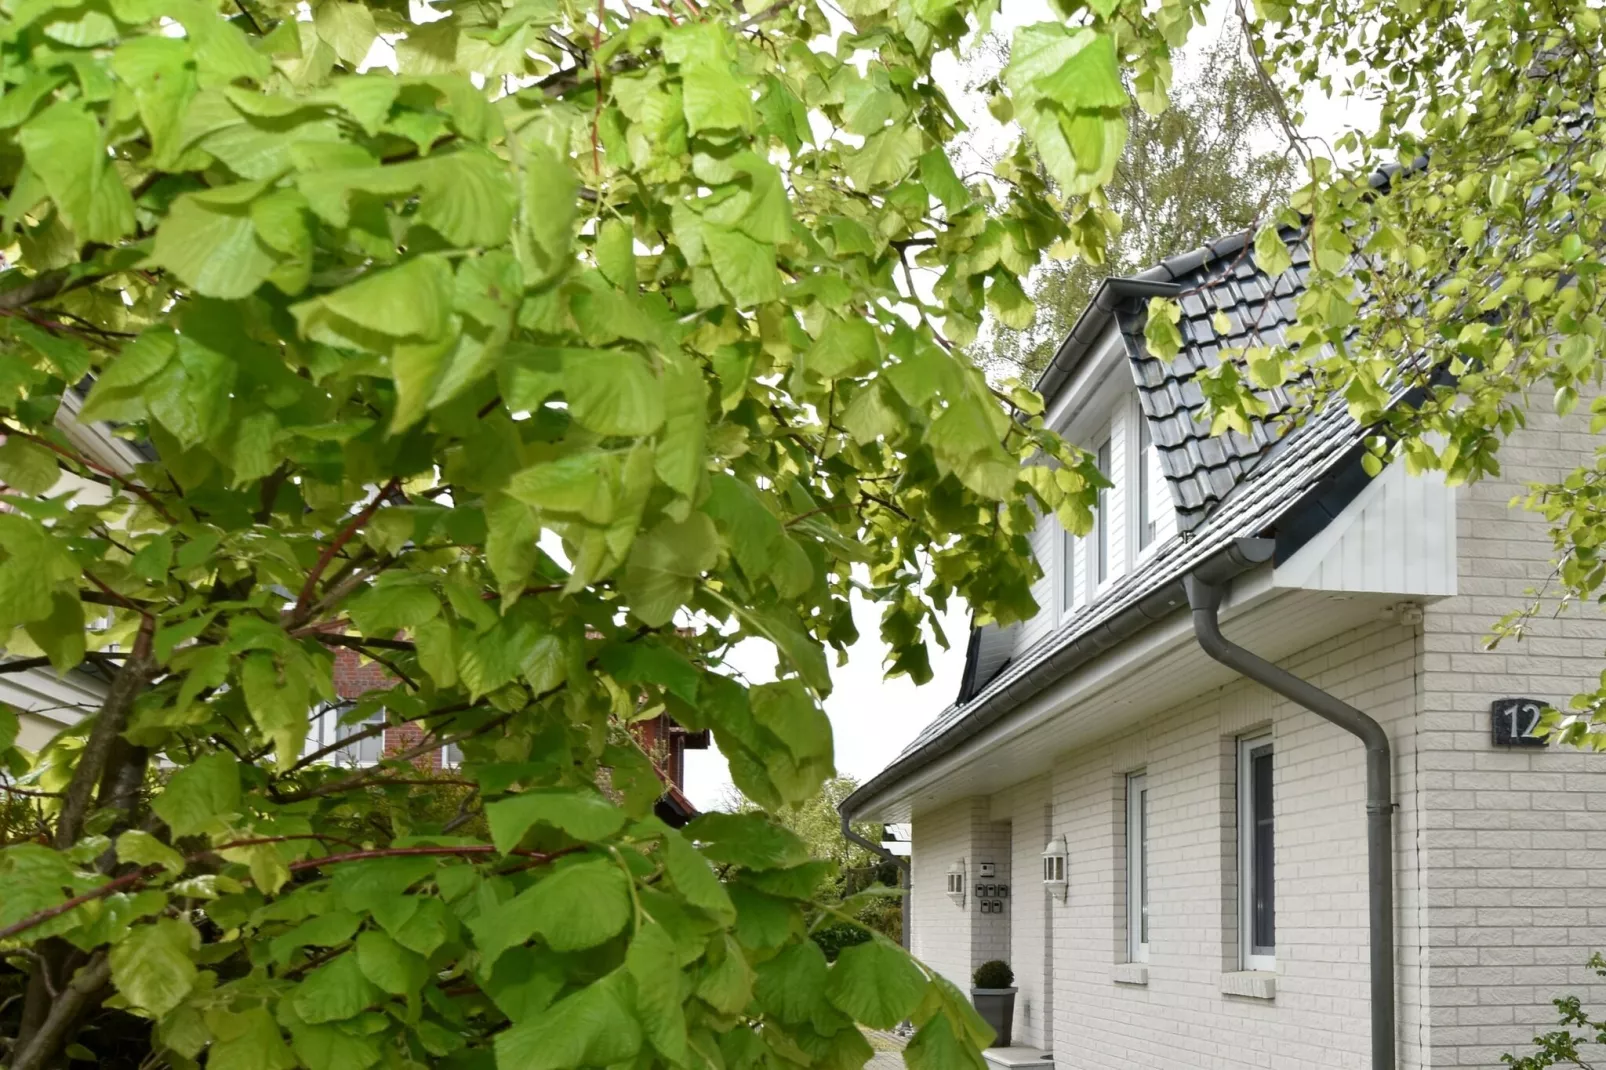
<point x="1396" y="537"/>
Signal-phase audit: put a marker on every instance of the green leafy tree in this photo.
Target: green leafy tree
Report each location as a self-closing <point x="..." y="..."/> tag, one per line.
<point x="1198" y="170"/>
<point x="1465" y="233"/>
<point x="543" y="351"/>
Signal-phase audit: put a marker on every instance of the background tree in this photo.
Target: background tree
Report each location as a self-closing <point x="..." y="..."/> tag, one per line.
<point x="863" y="885"/>
<point x="1207" y="166"/>
<point x="545" y="352"/>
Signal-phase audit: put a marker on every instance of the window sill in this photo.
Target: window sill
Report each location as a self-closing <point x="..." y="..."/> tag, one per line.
<point x="1251" y="984"/>
<point x="1130" y="973"/>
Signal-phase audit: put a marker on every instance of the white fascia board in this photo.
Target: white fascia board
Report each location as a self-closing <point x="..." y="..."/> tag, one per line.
<point x="1104" y="671"/>
<point x="1081" y="394"/>
<point x="95" y="440"/>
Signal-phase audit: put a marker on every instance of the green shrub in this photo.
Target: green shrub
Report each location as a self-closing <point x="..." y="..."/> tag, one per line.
<point x="1561" y="1047"/>
<point x="833" y="938"/>
<point x="993" y="974"/>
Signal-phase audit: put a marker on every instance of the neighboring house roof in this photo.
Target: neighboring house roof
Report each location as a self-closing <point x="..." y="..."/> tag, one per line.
<point x="1285" y="480"/>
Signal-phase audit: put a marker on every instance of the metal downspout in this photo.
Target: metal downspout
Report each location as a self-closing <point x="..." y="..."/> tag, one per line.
<point x="903" y="872"/>
<point x="1205" y="599"/>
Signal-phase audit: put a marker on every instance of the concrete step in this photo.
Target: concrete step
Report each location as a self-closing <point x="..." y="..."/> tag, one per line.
<point x="1019" y="1058"/>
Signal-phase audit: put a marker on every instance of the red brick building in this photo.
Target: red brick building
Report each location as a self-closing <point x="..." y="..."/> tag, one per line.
<point x="664" y="741"/>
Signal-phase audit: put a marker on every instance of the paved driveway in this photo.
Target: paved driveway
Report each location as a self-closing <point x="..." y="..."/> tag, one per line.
<point x="888" y="1050"/>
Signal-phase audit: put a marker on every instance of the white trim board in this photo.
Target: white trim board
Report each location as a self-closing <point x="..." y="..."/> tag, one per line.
<point x="1396" y="537"/>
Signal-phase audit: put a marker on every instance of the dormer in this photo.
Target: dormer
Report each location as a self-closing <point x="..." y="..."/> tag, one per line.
<point x="1099" y="410"/>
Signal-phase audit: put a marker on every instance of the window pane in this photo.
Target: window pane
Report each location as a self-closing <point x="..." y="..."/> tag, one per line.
<point x="1145" y="491"/>
<point x="1143" y="864"/>
<point x="1262" y="880"/>
<point x="1102" y="550"/>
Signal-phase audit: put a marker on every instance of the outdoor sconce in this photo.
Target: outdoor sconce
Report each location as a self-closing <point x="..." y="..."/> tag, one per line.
<point x="956" y="882"/>
<point x="1054" y="860"/>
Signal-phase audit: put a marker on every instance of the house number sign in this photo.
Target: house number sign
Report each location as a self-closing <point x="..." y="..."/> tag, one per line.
<point x="1514" y="721"/>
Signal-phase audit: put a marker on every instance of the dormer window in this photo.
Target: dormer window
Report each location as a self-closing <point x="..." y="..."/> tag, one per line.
<point x="1102" y="518"/>
<point x="1101" y="413"/>
<point x="1146" y="511"/>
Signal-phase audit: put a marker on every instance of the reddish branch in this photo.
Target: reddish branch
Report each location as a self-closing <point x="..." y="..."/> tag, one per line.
<point x="310" y="588"/>
<point x="111" y="473"/>
<point x="116" y="885"/>
<point x="130" y="879"/>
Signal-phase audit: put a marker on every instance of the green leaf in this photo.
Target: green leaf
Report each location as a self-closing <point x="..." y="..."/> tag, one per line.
<point x="334" y="992"/>
<point x="664" y="562"/>
<point x="200" y="794"/>
<point x="592" y="1027"/>
<point x="577" y="906"/>
<point x="681" y="456"/>
<point x="154" y="966"/>
<point x="412" y="300"/>
<point x="653" y="964"/>
<point x="583" y="815"/>
<point x="210" y="242"/>
<point x="713" y="99"/>
<point x="27" y="467"/>
<point x="190" y="395"/>
<point x="749" y="840"/>
<point x="348" y="28"/>
<point x="695" y="878"/>
<point x="726" y="980"/>
<point x="791" y="986"/>
<point x="549" y="195"/>
<point x="1271" y="252"/>
<point x="886" y="157"/>
<point x="650" y="662"/>
<point x="745" y="267"/>
<point x="846" y="348"/>
<point x="140" y="848"/>
<point x="612" y="392"/>
<point x="937" y="173"/>
<point x="616" y="254"/>
<point x="390" y="966"/>
<point x="936" y="1046"/>
<point x="64" y="147"/>
<point x="876" y="983"/>
<point x="246" y="1040"/>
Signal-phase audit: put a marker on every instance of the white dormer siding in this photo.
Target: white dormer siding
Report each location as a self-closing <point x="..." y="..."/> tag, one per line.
<point x="1100" y="406"/>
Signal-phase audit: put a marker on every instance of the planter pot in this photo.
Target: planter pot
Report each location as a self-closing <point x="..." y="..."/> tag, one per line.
<point x="997" y="1008"/>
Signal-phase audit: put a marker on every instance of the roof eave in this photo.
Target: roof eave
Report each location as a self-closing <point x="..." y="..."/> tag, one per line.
<point x="1237" y="557"/>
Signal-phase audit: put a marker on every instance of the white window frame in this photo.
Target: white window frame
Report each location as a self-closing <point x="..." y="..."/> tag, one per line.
<point x="326" y="728"/>
<point x="1253" y="957"/>
<point x="1071" y="594"/>
<point x="1137" y="867"/>
<point x="1101" y="538"/>
<point x="1145" y="519"/>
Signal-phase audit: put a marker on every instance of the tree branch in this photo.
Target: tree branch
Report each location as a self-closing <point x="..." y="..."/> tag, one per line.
<point x="63" y="1012"/>
<point x="109" y="724"/>
<point x="310" y="588"/>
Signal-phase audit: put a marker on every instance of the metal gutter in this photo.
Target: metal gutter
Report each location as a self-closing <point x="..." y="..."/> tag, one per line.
<point x="903" y="870"/>
<point x="1236" y="558"/>
<point x="1090" y="326"/>
<point x="1204" y="596"/>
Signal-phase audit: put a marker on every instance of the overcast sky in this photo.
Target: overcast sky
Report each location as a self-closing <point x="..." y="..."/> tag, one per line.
<point x="874" y="719"/>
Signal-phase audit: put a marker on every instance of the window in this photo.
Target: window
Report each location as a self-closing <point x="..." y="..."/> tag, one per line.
<point x="327" y="730"/>
<point x="1146" y="524"/>
<point x="1137" y="868"/>
<point x="451" y="756"/>
<point x="1070" y="593"/>
<point x="1256" y="855"/>
<point x="1101" y="520"/>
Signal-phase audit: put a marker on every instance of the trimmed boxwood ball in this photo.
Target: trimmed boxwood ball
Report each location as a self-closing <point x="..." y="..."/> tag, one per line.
<point x="993" y="974"/>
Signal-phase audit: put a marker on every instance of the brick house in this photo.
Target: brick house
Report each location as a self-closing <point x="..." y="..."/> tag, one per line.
<point x="664" y="741"/>
<point x="1172" y="855"/>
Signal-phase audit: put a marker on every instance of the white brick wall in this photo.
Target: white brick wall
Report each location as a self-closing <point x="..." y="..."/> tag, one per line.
<point x="1513" y="837"/>
<point x="1500" y="853"/>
